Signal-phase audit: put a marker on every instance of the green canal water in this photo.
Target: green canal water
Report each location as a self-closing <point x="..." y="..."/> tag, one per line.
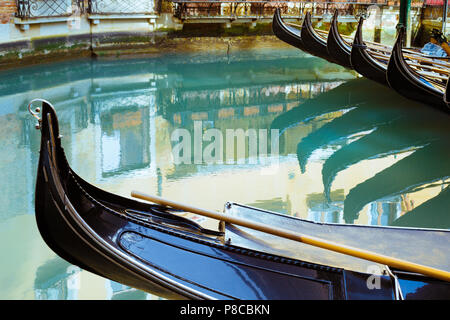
<point x="342" y="149"/>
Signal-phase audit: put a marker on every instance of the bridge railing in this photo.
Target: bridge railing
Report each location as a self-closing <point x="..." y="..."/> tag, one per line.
<point x="48" y="8"/>
<point x="62" y="8"/>
<point x="121" y="6"/>
<point x="191" y="9"/>
<point x="257" y="9"/>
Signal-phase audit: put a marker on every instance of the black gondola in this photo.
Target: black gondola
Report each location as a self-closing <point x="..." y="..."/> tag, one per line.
<point x="408" y="82"/>
<point x="363" y="62"/>
<point x="151" y="248"/>
<point x="286" y="33"/>
<point x="338" y="49"/>
<point x="312" y="42"/>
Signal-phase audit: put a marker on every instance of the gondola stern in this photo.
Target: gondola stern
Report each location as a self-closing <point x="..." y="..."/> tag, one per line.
<point x="362" y="62"/>
<point x="312" y="42"/>
<point x="275" y="19"/>
<point x="408" y="82"/>
<point x="393" y="67"/>
<point x="337" y="49"/>
<point x="285" y="33"/>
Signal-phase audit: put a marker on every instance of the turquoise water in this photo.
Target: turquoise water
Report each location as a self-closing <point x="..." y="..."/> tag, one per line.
<point x="348" y="150"/>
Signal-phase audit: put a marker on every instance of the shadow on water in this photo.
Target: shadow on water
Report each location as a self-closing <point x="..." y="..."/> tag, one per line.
<point x="374" y="122"/>
<point x="350" y="94"/>
<point x="423" y="166"/>
<point x="364" y="117"/>
<point x="434" y="212"/>
<point x="55" y="280"/>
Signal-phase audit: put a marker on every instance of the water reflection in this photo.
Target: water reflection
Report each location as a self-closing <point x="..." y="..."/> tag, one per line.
<point x="117" y="118"/>
<point x="433" y="211"/>
<point x="56" y="279"/>
<point x="405" y="176"/>
<point x="377" y="125"/>
<point x="349" y="151"/>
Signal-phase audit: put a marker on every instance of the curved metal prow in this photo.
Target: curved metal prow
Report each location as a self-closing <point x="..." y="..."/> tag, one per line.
<point x="36" y="111"/>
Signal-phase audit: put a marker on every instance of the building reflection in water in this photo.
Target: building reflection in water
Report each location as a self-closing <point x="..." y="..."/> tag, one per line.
<point x="346" y="153"/>
<point x="324" y="211"/>
<point x="56" y="279"/>
<point x="117" y="119"/>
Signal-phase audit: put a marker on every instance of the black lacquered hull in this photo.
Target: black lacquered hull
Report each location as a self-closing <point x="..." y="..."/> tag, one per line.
<point x="363" y="63"/>
<point x="150" y="248"/>
<point x="337" y="48"/>
<point x="408" y="82"/>
<point x="312" y="43"/>
<point x="286" y="33"/>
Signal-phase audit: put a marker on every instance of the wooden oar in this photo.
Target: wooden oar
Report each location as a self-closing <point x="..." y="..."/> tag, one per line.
<point x="317" y="242"/>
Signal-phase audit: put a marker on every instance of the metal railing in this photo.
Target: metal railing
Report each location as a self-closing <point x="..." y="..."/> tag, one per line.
<point x="48" y="8"/>
<point x="63" y="8"/>
<point x="121" y="6"/>
<point x="186" y="9"/>
<point x="257" y="9"/>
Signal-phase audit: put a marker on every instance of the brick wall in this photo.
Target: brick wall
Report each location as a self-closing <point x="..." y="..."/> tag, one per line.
<point x="7" y="10"/>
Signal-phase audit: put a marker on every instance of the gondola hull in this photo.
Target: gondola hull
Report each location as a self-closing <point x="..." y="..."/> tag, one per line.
<point x="362" y="62"/>
<point x="151" y="248"/>
<point x="312" y="42"/>
<point x="408" y="82"/>
<point x="286" y="33"/>
<point x="338" y="50"/>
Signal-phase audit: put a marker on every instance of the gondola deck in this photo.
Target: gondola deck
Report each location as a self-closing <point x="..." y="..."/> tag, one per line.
<point x="151" y="248"/>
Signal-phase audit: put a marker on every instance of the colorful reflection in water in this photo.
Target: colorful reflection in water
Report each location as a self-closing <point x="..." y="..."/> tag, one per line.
<point x="350" y="151"/>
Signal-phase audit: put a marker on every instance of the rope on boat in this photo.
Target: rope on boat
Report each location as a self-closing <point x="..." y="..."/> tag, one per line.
<point x="397" y="289"/>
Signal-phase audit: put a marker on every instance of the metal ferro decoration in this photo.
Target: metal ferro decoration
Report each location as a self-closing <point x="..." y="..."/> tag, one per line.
<point x="121" y="6"/>
<point x="47" y="8"/>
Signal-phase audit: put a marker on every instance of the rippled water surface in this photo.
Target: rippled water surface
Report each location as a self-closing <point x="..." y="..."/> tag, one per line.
<point x="349" y="150"/>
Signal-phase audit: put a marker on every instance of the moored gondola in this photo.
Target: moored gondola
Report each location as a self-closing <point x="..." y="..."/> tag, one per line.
<point x="286" y="33"/>
<point x="312" y="42"/>
<point x="337" y="48"/>
<point x="363" y="62"/>
<point x="406" y="81"/>
<point x="368" y="60"/>
<point x="153" y="248"/>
